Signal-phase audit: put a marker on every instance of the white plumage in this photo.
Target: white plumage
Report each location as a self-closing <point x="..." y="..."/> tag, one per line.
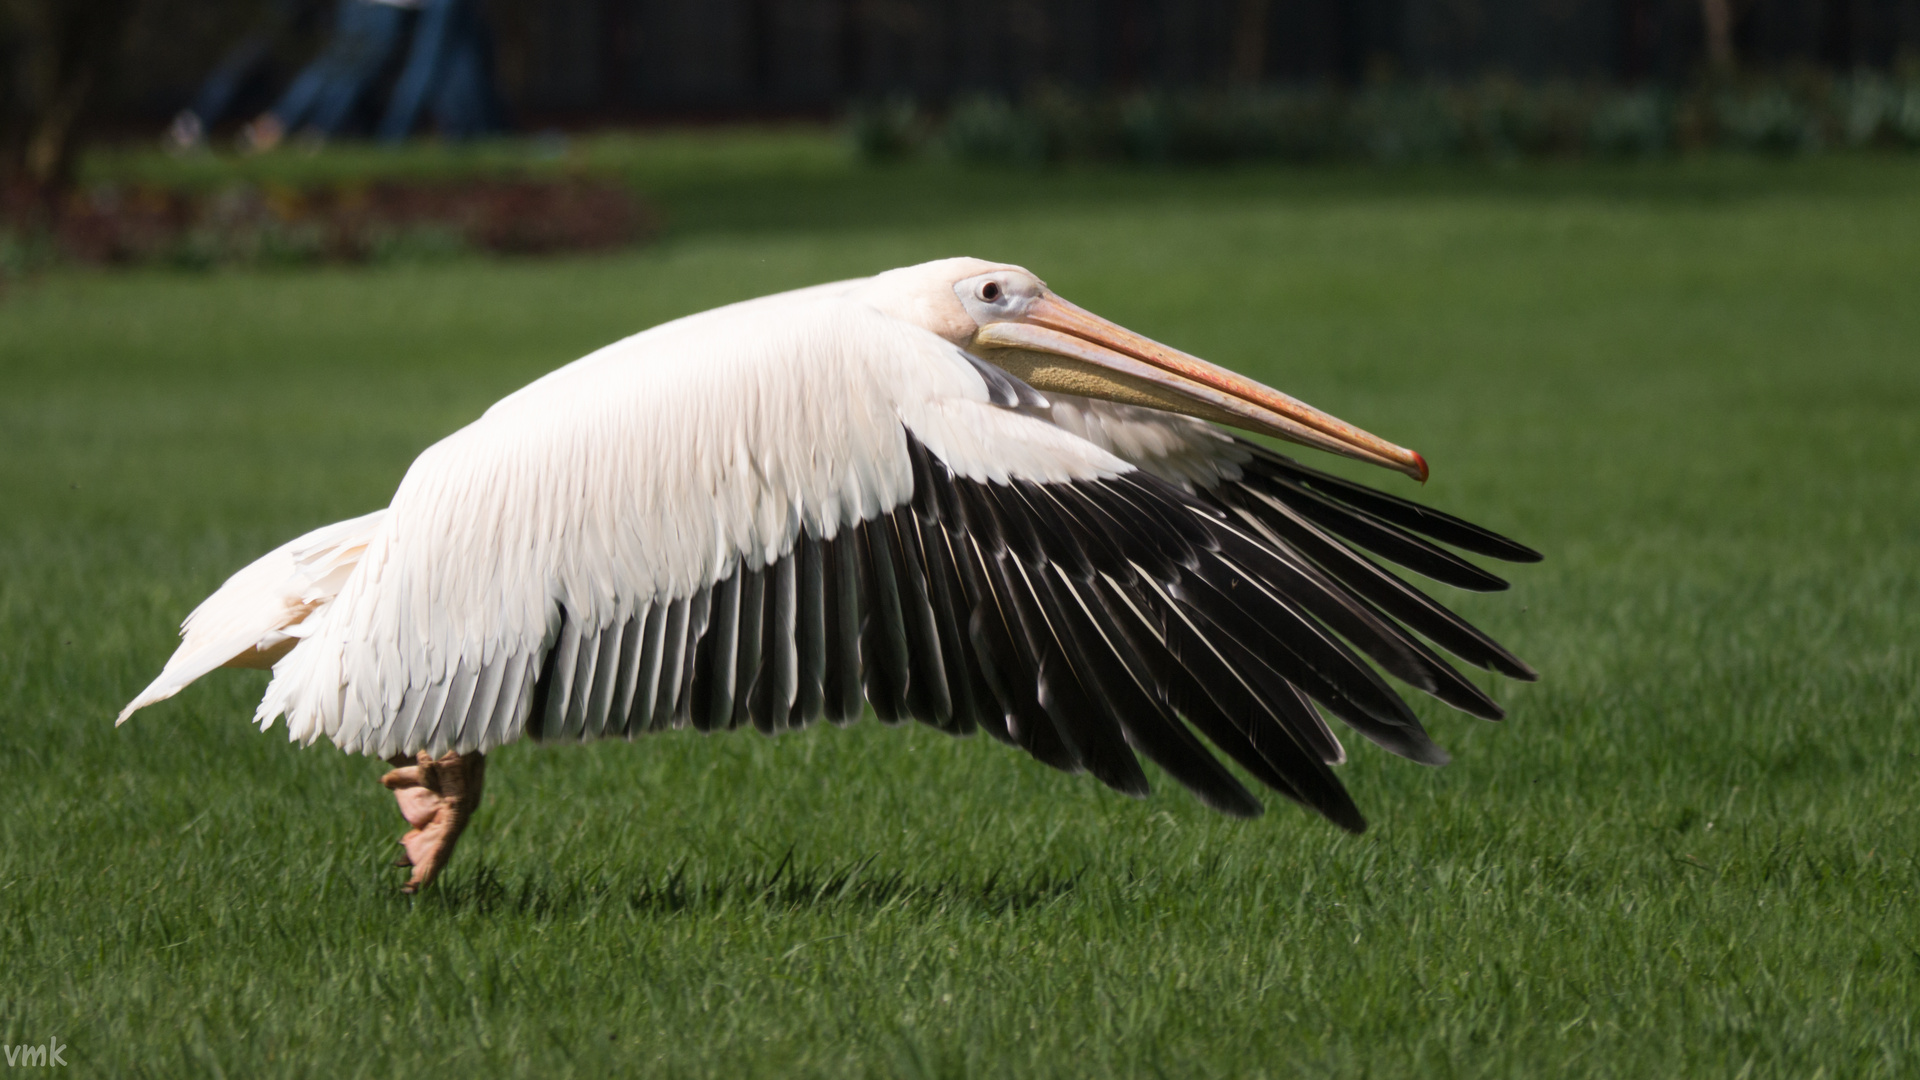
<point x="634" y="476"/>
<point x="661" y="521"/>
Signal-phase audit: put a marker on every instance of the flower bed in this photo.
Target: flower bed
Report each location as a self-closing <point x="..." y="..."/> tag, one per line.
<point x="122" y="224"/>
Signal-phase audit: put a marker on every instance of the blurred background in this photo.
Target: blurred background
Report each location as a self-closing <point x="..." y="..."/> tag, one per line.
<point x="1022" y="82"/>
<point x="580" y="62"/>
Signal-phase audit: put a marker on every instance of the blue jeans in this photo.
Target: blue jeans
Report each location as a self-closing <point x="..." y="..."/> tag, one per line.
<point x="366" y="36"/>
<point x="247" y="61"/>
<point x="451" y="67"/>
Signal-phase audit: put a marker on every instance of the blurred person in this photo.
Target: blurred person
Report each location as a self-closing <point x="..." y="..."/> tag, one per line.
<point x="367" y="36"/>
<point x="243" y="66"/>
<point x="449" y="71"/>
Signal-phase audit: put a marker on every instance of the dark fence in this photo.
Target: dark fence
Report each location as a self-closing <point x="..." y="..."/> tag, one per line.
<point x="584" y="60"/>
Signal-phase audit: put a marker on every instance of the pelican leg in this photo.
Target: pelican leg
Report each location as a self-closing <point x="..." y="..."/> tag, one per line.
<point x="437" y="797"/>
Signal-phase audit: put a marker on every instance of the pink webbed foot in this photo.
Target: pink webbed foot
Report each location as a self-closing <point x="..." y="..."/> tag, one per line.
<point x="437" y="797"/>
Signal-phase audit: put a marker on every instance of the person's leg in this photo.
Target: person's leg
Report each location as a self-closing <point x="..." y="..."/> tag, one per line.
<point x="242" y="63"/>
<point x="297" y="104"/>
<point x="298" y="100"/>
<point x="466" y="105"/>
<point x="459" y="105"/>
<point x="376" y="34"/>
<point x="218" y="89"/>
<point x="426" y="63"/>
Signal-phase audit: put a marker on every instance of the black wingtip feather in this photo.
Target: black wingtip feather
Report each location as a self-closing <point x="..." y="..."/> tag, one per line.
<point x="1406" y="513"/>
<point x="1088" y="622"/>
<point x="1381" y="537"/>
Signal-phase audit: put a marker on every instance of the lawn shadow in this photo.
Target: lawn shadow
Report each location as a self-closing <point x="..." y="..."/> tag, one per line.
<point x="791" y="884"/>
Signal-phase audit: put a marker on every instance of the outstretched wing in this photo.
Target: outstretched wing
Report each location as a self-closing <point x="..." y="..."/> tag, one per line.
<point x="1329" y="522"/>
<point x="695" y="528"/>
<point x="634" y="482"/>
<point x="1081" y="620"/>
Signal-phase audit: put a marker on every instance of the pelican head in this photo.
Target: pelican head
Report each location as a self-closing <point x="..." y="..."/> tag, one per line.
<point x="1007" y="316"/>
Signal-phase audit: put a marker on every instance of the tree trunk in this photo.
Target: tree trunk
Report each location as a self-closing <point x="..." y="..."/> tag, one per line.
<point x="1717" y="15"/>
<point x="1249" y="63"/>
<point x="65" y="47"/>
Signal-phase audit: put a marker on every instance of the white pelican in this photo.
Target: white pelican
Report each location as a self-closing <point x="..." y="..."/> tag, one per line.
<point x="943" y="490"/>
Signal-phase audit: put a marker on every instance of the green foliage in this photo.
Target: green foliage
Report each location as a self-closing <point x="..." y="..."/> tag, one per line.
<point x="1638" y="124"/>
<point x="1877" y="111"/>
<point x="1770" y="121"/>
<point x="1396" y="123"/>
<point x="1691" y="850"/>
<point x="886" y="131"/>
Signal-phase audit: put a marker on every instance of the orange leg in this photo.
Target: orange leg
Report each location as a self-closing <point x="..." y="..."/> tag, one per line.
<point x="437" y="797"/>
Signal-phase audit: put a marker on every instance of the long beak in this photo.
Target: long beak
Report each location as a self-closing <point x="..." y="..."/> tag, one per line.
<point x="1065" y="348"/>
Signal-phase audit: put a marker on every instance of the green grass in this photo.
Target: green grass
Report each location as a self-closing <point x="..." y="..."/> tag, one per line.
<point x="1691" y="850"/>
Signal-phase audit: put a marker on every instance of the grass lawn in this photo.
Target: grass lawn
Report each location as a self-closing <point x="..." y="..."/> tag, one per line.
<point x="1692" y="849"/>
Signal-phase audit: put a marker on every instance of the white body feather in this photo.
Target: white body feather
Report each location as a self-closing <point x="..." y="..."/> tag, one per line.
<point x="632" y="477"/>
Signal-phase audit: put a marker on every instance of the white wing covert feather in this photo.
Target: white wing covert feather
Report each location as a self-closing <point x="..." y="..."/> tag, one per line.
<point x="1179" y="449"/>
<point x="256" y="614"/>
<point x="626" y="484"/>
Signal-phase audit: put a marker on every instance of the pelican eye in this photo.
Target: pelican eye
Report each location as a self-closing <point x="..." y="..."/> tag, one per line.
<point x="990" y="291"/>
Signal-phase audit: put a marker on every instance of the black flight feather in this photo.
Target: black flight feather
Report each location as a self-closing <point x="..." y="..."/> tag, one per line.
<point x="1084" y="622"/>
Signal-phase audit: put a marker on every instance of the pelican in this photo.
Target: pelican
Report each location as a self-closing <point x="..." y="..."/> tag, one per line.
<point x="942" y="492"/>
